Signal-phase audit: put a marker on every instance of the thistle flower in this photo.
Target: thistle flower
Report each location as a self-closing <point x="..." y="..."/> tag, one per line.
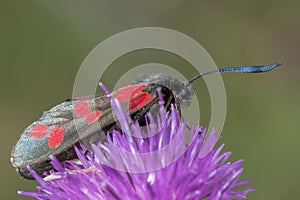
<point x="151" y="162"/>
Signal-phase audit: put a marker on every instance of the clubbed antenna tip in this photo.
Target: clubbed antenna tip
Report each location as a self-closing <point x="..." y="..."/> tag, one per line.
<point x="242" y="69"/>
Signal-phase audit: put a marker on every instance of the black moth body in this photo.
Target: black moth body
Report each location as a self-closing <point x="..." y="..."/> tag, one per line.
<point x="56" y="132"/>
<point x="35" y="152"/>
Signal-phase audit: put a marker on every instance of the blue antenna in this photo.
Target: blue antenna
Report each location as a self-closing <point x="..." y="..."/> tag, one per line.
<point x="243" y="69"/>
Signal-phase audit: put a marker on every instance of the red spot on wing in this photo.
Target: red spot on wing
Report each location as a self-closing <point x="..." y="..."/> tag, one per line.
<point x="81" y="109"/>
<point x="140" y="101"/>
<point x="125" y="94"/>
<point x="93" y="116"/>
<point x="38" y="131"/>
<point x="56" y="137"/>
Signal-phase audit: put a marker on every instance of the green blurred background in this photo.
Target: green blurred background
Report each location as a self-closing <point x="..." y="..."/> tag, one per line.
<point x="42" y="44"/>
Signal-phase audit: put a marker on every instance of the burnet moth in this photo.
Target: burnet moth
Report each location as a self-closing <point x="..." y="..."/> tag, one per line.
<point x="56" y="132"/>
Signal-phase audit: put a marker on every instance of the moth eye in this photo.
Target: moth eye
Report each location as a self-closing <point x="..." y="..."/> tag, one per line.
<point x="184" y="92"/>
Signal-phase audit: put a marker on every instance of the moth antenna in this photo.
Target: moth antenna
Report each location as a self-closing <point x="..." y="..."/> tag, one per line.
<point x="242" y="69"/>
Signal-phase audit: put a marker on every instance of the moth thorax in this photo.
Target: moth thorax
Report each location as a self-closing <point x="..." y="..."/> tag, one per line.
<point x="182" y="91"/>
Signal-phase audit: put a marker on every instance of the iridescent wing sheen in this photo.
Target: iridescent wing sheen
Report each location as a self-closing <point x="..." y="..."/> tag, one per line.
<point x="64" y="125"/>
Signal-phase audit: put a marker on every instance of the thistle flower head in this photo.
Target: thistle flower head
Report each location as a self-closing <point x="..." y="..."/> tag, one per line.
<point x="150" y="162"/>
